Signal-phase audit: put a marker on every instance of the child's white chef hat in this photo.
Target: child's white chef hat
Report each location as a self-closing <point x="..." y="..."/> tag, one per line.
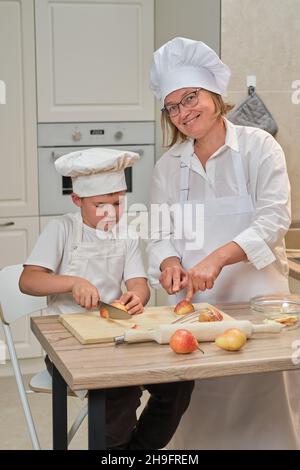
<point x="96" y="171"/>
<point x="183" y="63"/>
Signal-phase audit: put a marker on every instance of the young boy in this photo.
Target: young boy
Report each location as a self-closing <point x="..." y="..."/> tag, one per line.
<point x="80" y="259"/>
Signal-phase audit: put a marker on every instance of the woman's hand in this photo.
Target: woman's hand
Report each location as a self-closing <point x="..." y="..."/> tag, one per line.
<point x="132" y="302"/>
<point x="203" y="275"/>
<point x="85" y="294"/>
<point x="173" y="277"/>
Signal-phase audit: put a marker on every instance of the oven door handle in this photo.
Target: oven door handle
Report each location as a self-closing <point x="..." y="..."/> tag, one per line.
<point x="55" y="156"/>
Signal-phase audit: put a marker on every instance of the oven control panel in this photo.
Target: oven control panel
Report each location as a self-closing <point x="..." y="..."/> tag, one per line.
<point x="93" y="134"/>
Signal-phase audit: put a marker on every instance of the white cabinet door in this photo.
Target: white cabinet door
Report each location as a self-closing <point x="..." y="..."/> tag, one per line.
<point x="93" y="60"/>
<point x="18" y="140"/>
<point x="17" y="241"/>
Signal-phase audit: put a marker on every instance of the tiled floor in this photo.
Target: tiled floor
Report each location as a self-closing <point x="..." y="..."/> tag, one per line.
<point x="13" y="430"/>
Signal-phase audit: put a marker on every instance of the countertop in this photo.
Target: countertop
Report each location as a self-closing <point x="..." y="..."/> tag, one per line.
<point x="98" y="366"/>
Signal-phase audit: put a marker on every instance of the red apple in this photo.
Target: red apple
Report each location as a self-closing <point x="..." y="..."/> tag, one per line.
<point x="183" y="342"/>
<point x="184" y="307"/>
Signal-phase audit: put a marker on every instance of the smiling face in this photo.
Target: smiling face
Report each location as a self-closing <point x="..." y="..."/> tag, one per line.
<point x="101" y="212"/>
<point x="195" y="122"/>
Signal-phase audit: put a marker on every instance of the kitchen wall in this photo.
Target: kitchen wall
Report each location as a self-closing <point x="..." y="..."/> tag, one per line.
<point x="262" y="37"/>
<point x="195" y="19"/>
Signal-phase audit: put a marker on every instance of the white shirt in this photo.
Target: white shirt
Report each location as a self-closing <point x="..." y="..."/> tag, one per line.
<point x="54" y="246"/>
<point x="267" y="183"/>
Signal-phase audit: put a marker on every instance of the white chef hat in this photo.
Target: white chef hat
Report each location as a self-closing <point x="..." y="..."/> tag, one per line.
<point x="96" y="171"/>
<point x="182" y="63"/>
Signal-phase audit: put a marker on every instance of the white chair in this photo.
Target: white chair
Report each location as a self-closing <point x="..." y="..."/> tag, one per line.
<point x="14" y="305"/>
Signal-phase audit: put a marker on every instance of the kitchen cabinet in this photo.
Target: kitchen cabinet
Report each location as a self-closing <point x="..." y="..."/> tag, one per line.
<point x="17" y="238"/>
<point x="93" y="60"/>
<point x="18" y="139"/>
<point x="19" y="224"/>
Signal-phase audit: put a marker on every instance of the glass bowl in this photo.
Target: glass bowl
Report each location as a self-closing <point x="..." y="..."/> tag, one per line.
<point x="284" y="309"/>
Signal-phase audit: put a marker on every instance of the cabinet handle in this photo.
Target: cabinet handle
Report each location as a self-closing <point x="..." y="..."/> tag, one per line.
<point x="7" y="224"/>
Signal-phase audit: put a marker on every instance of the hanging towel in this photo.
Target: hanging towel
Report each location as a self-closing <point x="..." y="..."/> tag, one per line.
<point x="253" y="112"/>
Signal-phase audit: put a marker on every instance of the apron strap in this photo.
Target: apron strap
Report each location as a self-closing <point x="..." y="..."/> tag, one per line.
<point x="77" y="231"/>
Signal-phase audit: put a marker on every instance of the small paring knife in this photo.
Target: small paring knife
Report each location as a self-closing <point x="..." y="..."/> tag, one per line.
<point x="114" y="312"/>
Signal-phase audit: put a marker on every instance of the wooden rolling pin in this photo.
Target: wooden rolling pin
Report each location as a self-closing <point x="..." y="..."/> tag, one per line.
<point x="203" y="331"/>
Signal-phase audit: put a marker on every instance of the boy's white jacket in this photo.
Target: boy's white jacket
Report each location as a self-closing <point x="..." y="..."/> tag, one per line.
<point x="69" y="247"/>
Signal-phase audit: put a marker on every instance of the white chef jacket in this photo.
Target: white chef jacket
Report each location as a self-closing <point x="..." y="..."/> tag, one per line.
<point x="267" y="183"/>
<point x="53" y="248"/>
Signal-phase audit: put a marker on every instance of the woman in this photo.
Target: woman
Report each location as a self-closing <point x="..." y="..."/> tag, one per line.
<point x="238" y="175"/>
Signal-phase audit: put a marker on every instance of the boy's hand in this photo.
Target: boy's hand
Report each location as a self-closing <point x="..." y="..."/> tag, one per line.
<point x="85" y="294"/>
<point x="132" y="302"/>
<point x="173" y="279"/>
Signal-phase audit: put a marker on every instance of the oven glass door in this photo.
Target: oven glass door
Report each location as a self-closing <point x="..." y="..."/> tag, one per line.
<point x="55" y="190"/>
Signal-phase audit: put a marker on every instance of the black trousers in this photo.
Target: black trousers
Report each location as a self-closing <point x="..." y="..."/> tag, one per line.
<point x="158" y="421"/>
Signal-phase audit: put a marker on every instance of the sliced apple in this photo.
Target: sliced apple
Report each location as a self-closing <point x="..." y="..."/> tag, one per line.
<point x="104" y="312"/>
<point x="183" y="307"/>
<point x="120" y="306"/>
<point x="207" y="315"/>
<point x="217" y="313"/>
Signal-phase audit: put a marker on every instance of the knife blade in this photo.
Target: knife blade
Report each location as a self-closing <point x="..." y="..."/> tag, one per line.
<point x="114" y="312"/>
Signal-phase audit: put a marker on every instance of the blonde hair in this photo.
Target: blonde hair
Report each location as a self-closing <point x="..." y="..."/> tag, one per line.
<point x="171" y="132"/>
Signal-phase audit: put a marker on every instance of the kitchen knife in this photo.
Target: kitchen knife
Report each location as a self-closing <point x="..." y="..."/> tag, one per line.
<point x="114" y="312"/>
<point x="202" y="331"/>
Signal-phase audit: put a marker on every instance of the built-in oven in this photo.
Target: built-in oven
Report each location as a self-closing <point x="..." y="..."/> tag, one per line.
<point x="58" y="139"/>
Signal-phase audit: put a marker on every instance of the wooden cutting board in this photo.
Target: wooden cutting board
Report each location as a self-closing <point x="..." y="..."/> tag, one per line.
<point x="90" y="328"/>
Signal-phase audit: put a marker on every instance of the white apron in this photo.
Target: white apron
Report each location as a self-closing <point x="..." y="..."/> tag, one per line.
<point x="101" y="262"/>
<point x="243" y="412"/>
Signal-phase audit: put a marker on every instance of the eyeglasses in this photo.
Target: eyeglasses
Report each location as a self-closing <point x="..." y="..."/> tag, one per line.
<point x="188" y="101"/>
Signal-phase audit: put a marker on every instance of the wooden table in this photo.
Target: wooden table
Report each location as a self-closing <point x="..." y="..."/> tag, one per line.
<point x="96" y="367"/>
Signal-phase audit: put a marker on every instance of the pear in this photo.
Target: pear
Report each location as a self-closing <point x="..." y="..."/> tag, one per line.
<point x="231" y="340"/>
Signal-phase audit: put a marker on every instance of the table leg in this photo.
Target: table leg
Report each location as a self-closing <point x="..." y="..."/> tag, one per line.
<point x="96" y="419"/>
<point x="59" y="411"/>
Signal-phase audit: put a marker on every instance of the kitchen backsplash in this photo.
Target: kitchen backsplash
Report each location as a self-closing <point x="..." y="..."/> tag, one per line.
<point x="262" y="37"/>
